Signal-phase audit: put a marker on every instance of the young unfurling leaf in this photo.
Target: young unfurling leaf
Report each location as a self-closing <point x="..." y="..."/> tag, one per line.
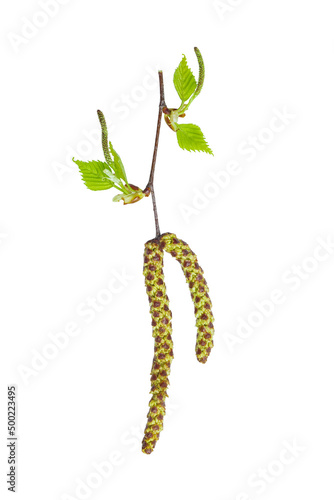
<point x="198" y="86"/>
<point x="191" y="138"/>
<point x="184" y="80"/>
<point x="111" y="176"/>
<point x="93" y="174"/>
<point x="117" y="165"/>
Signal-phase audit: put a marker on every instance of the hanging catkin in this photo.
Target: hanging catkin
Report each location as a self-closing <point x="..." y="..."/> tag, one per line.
<point x="163" y="344"/>
<point x="162" y="325"/>
<point x="199" y="291"/>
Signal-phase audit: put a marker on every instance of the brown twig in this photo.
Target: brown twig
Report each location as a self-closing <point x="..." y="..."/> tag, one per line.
<point x="150" y="184"/>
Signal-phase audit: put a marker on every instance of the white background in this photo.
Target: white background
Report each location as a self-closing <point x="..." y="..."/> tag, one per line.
<point x="60" y="244"/>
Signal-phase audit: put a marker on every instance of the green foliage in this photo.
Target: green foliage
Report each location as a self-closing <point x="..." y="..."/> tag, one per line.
<point x="93" y="174"/>
<point x="117" y="164"/>
<point x="184" y="80"/>
<point x="191" y="138"/>
<point x="99" y="175"/>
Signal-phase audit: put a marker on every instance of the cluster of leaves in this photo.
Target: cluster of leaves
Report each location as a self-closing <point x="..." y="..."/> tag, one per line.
<point x="98" y="175"/>
<point x="189" y="136"/>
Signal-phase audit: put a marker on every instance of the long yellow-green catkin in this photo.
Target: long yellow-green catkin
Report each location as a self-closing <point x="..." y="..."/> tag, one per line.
<point x="199" y="292"/>
<point x="163" y="344"/>
<point x="162" y="324"/>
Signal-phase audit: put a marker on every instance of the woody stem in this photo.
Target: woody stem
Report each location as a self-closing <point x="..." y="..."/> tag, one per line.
<point x="150" y="184"/>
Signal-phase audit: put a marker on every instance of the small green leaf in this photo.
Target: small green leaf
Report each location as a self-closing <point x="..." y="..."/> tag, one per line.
<point x="93" y="174"/>
<point x="199" y="85"/>
<point x="191" y="138"/>
<point x="118" y="166"/>
<point x="111" y="176"/>
<point x="118" y="197"/>
<point x="184" y="80"/>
